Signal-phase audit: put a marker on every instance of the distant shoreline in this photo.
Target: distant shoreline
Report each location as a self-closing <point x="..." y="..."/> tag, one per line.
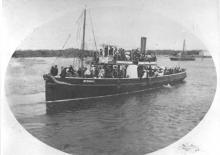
<point x="87" y="53"/>
<point x="51" y="53"/>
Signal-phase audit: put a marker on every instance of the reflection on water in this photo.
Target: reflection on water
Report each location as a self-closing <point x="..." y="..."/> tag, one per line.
<point x="129" y="124"/>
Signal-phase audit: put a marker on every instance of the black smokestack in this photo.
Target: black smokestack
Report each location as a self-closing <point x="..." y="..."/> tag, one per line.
<point x="143" y="44"/>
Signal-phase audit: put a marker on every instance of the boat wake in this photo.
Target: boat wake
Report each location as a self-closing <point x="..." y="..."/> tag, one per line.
<point x="167" y="86"/>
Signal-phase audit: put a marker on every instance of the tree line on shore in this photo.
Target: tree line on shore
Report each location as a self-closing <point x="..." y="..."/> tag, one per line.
<point x="87" y="53"/>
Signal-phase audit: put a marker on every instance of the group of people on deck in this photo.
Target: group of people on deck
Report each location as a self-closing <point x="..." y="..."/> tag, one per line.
<point x="123" y="55"/>
<point x="94" y="71"/>
<point x="114" y="71"/>
<point x="155" y="71"/>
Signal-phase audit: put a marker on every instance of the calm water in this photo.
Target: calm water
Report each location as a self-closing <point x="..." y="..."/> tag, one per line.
<point x="129" y="124"/>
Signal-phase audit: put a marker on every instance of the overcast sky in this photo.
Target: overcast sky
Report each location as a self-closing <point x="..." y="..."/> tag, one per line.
<point x="118" y="22"/>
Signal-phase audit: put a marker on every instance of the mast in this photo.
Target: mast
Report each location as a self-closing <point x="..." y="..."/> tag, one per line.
<point x="83" y="41"/>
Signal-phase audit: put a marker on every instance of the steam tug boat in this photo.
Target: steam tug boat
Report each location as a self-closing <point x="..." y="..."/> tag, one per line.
<point x="59" y="89"/>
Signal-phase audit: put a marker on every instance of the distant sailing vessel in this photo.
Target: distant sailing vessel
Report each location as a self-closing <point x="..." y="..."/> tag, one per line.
<point x="141" y="74"/>
<point x="182" y="56"/>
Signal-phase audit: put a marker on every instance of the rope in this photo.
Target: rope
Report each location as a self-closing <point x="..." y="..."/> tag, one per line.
<point x="79" y="28"/>
<point x="67" y="39"/>
<point x="93" y="31"/>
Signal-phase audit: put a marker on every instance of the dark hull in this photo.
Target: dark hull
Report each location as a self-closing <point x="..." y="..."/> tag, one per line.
<point x="182" y="58"/>
<point x="69" y="89"/>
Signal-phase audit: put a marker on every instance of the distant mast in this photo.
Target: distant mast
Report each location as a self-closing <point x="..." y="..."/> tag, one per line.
<point x="184" y="44"/>
<point x="83" y="41"/>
